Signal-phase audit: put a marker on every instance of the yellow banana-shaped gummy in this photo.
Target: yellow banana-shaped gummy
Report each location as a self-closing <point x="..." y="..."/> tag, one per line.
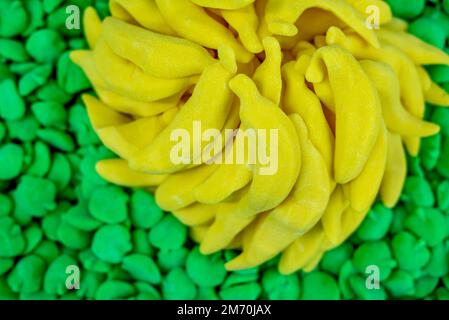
<point x="156" y="54"/>
<point x="362" y="191"/>
<point x="118" y="172"/>
<point x="146" y="14"/>
<point x="176" y="192"/>
<point x="245" y="21"/>
<point x="267" y="76"/>
<point x="331" y="220"/>
<point x="196" y="25"/>
<point x="119" y="12"/>
<point x="209" y="105"/>
<point x="127" y="79"/>
<point x="196" y="214"/>
<point x="357" y="111"/>
<point x="297" y="214"/>
<point x="92" y="26"/>
<point x="282" y="14"/>
<point x="268" y="189"/>
<point x="396" y="117"/>
<point x="395" y="171"/>
<point x="223" y="4"/>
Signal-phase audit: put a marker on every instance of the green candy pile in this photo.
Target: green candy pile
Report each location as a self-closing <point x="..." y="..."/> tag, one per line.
<point x="56" y="213"/>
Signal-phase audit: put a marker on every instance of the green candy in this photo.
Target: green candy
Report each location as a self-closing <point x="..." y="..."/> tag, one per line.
<point x="60" y="171"/>
<point x="141" y="243"/>
<point x="443" y="162"/>
<point x="147" y="291"/>
<point x="400" y="284"/>
<point x="52" y="221"/>
<point x="47" y="250"/>
<point x="5" y="291"/>
<point x="11" y="159"/>
<point x="12" y="105"/>
<point x="56" y="276"/>
<point x="171" y="259"/>
<point x="374" y="253"/>
<point x="41" y="160"/>
<point x="24" y="129"/>
<point x="319" y="286"/>
<point x="207" y="294"/>
<point x="72" y="237"/>
<point x="111" y="243"/>
<point x="50" y="5"/>
<point x="45" y="45"/>
<point x="51" y="91"/>
<point x="410" y="253"/>
<point x="428" y="224"/>
<point x="20" y="68"/>
<point x="50" y="114"/>
<point x="91" y="262"/>
<point x="80" y="124"/>
<point x="70" y="77"/>
<point x="424" y="286"/>
<point x="376" y="224"/>
<point x="5" y="265"/>
<point x="359" y="287"/>
<point x="418" y="191"/>
<point x="36" y="195"/>
<point x="114" y="290"/>
<point x="438" y="265"/>
<point x="35" y="78"/>
<point x="446" y="6"/>
<point x="178" y="286"/>
<point x="334" y="259"/>
<point x="33" y="236"/>
<point x="168" y="234"/>
<point x="429" y="31"/>
<point x="5" y="73"/>
<point x="13" y="50"/>
<point x="205" y="271"/>
<point x="109" y="204"/>
<point x="27" y="275"/>
<point x="5" y="205"/>
<point x="430" y="151"/>
<point x="35" y="14"/>
<point x="142" y="267"/>
<point x="442" y="198"/>
<point x="57" y="139"/>
<point x="79" y="217"/>
<point x="247" y="291"/>
<point x="90" y="282"/>
<point x="407" y="9"/>
<point x="12" y="241"/>
<point x="441" y="117"/>
<point x="14" y="18"/>
<point x="57" y="21"/>
<point x="241" y="276"/>
<point x="280" y="287"/>
<point x="144" y="211"/>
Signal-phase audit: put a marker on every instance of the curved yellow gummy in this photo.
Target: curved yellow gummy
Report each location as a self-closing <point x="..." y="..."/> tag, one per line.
<point x="358" y="112"/>
<point x="127" y="79"/>
<point x="303" y="250"/>
<point x="416" y="49"/>
<point x="396" y="117"/>
<point x="245" y="21"/>
<point x="267" y="76"/>
<point x="223" y="4"/>
<point x="146" y="14"/>
<point x="176" y="192"/>
<point x="362" y="191"/>
<point x="156" y="158"/>
<point x="282" y="14"/>
<point x="269" y="190"/>
<point x="92" y="26"/>
<point x="331" y="220"/>
<point x="395" y="171"/>
<point x="196" y="25"/>
<point x="118" y="172"/>
<point x="436" y="95"/>
<point x="298" y="98"/>
<point x="119" y="12"/>
<point x="156" y="54"/>
<point x="296" y="215"/>
<point x="196" y="214"/>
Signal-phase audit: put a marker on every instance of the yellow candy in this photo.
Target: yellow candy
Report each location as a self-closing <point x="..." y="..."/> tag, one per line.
<point x="334" y="102"/>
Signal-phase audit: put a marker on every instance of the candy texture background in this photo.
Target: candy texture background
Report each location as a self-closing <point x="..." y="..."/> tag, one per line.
<point x="53" y="212"/>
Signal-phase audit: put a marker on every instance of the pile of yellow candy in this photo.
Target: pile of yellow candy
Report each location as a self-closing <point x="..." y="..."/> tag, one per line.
<point x="344" y="96"/>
